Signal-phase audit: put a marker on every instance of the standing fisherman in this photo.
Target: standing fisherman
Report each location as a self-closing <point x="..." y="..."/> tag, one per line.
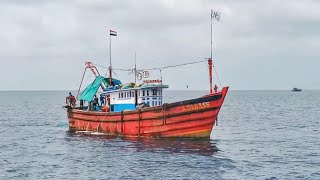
<point x="71" y="100"/>
<point x="108" y="100"/>
<point x="101" y="100"/>
<point x="95" y="102"/>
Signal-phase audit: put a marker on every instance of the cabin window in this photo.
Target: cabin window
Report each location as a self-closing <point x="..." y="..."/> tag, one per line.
<point x="156" y="103"/>
<point x="147" y="92"/>
<point x="143" y="93"/>
<point x="154" y="92"/>
<point x="130" y="94"/>
<point x="148" y="103"/>
<point x="152" y="103"/>
<point x="121" y="95"/>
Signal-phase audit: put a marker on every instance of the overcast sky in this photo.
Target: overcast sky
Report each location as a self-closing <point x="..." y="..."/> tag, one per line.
<point x="266" y="44"/>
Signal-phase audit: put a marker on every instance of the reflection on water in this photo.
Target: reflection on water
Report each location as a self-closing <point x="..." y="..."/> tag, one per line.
<point x="205" y="147"/>
<point x="195" y="146"/>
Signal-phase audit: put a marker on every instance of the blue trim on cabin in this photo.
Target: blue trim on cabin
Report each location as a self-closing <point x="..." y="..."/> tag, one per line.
<point x="121" y="107"/>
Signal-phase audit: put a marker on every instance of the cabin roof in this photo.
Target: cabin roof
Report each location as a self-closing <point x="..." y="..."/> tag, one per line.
<point x="148" y="86"/>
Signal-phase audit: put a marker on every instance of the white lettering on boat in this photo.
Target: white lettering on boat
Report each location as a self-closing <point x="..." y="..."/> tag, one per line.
<point x="197" y="106"/>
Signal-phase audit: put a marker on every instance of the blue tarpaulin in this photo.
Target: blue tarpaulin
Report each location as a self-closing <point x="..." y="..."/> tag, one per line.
<point x="114" y="81"/>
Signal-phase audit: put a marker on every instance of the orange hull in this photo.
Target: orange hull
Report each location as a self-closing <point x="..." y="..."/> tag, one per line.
<point x="193" y="118"/>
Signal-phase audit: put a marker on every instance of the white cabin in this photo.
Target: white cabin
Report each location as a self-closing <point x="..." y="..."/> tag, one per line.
<point x="128" y="99"/>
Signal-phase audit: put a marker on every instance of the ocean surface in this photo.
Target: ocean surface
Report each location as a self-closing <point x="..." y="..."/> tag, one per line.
<point x="260" y="135"/>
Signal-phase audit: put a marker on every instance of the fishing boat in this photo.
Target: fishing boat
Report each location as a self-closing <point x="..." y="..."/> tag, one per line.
<point x="137" y="109"/>
<point x="296" y="90"/>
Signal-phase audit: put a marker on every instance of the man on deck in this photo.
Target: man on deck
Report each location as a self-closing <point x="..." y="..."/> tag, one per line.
<point x="71" y="100"/>
<point x="101" y="100"/>
<point x="95" y="102"/>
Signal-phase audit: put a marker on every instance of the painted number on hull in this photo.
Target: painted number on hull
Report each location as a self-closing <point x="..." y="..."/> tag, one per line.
<point x="197" y="106"/>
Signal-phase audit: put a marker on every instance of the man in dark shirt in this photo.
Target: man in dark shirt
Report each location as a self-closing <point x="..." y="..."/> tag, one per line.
<point x="95" y="102"/>
<point x="101" y="100"/>
<point x="71" y="100"/>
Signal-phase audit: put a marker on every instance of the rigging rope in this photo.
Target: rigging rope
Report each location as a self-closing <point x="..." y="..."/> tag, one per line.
<point x="115" y="74"/>
<point x="157" y="68"/>
<point x="217" y="75"/>
<point x="165" y="67"/>
<point x="162" y="68"/>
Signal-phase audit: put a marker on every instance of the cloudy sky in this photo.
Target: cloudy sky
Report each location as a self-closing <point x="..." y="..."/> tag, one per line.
<point x="265" y="44"/>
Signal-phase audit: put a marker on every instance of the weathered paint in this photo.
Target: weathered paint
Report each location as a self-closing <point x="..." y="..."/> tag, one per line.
<point x="193" y="118"/>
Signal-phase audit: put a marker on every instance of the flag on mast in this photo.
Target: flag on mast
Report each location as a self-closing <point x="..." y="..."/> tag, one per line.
<point x="215" y="15"/>
<point x="113" y="33"/>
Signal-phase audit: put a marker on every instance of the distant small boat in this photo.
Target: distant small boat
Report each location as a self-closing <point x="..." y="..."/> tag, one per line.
<point x="296" y="90"/>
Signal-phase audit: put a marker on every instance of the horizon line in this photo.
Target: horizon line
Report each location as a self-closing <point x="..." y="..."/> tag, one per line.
<point x="30" y="90"/>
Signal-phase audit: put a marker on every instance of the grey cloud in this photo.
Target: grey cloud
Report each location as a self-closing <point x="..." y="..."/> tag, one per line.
<point x="255" y="43"/>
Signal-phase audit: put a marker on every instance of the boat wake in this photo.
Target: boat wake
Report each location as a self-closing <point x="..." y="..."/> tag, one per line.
<point x="90" y="133"/>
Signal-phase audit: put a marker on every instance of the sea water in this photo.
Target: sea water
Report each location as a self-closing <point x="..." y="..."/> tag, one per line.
<point x="260" y="135"/>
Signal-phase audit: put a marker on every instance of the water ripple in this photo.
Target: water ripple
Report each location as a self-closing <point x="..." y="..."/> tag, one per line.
<point x="261" y="135"/>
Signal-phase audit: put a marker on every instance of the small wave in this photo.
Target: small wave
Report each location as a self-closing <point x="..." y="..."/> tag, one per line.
<point x="90" y="133"/>
<point x="62" y="124"/>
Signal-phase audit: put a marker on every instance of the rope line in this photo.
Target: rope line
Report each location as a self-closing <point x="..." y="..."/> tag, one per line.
<point x="157" y="68"/>
<point x="115" y="74"/>
<point x="217" y="75"/>
<point x="162" y="68"/>
<point x="165" y="67"/>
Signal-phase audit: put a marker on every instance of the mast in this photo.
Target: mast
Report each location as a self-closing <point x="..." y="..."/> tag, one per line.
<point x="210" y="73"/>
<point x="112" y="33"/>
<point x="214" y="15"/>
<point x="211" y="34"/>
<point x="135" y="67"/>
<point x="210" y="59"/>
<point x="110" y="65"/>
